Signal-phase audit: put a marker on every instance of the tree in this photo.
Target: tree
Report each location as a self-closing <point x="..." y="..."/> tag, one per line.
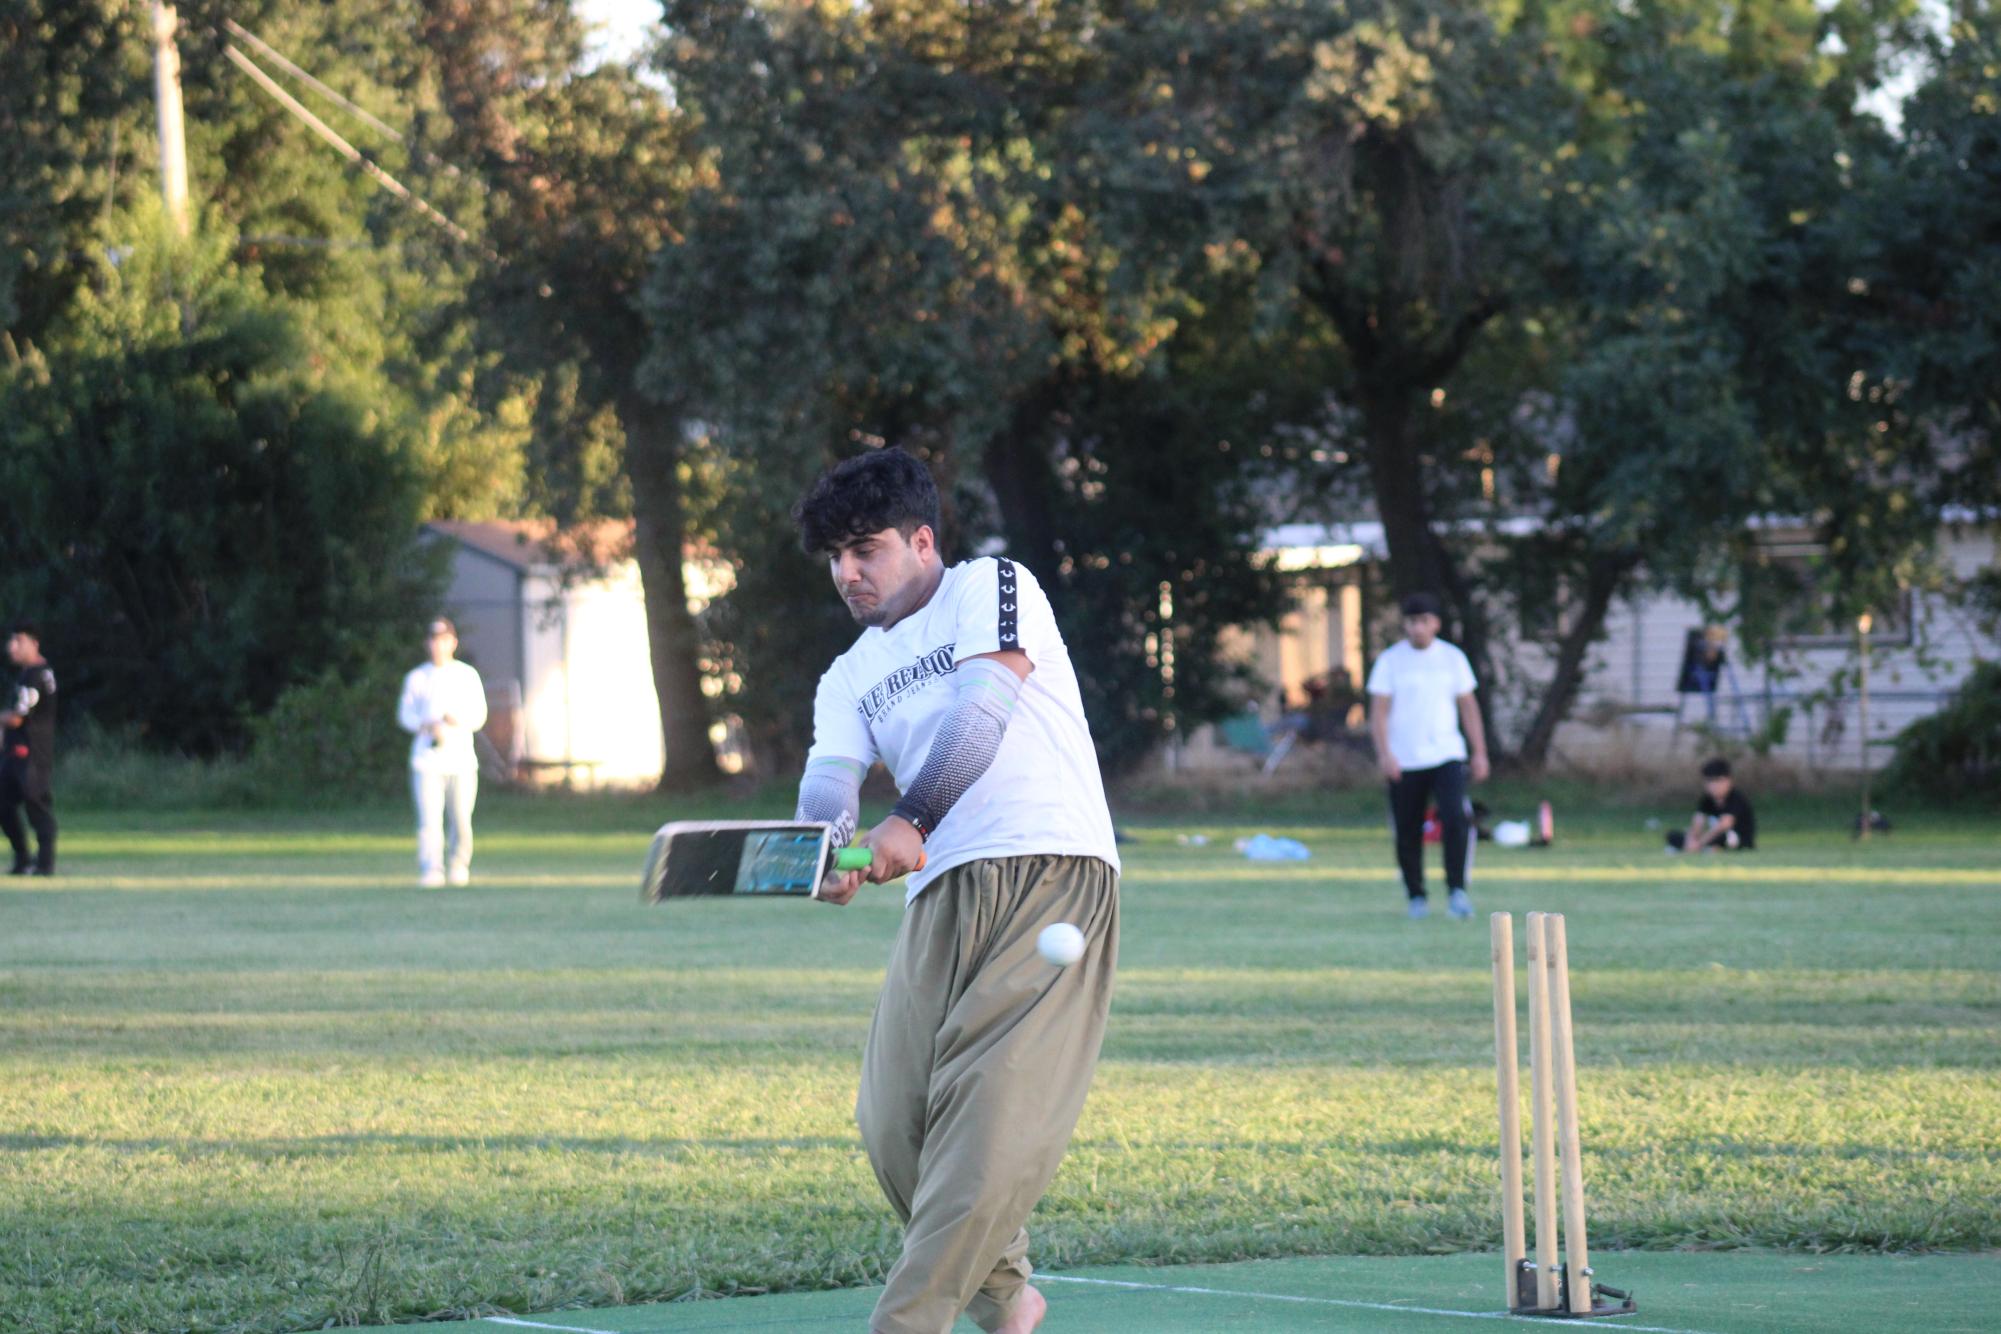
<point x="583" y="171"/>
<point x="1381" y="164"/>
<point x="387" y="280"/>
<point x="1725" y="367"/>
<point x="70" y="97"/>
<point x="890" y="250"/>
<point x="76" y="98"/>
<point x="314" y="319"/>
<point x="196" y="507"/>
<point x="1537" y="258"/>
<point x="1926" y="297"/>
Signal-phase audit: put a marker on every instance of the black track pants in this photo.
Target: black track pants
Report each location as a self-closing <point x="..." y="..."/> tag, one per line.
<point x="24" y="785"/>
<point x="1445" y="787"/>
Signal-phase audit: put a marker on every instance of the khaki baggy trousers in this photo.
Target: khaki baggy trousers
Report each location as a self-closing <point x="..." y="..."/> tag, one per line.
<point x="977" y="1064"/>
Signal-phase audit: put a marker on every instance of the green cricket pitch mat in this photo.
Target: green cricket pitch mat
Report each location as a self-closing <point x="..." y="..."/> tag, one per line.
<point x="1679" y="1292"/>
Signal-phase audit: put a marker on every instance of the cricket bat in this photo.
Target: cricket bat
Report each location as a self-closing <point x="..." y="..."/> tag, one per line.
<point x="754" y="858"/>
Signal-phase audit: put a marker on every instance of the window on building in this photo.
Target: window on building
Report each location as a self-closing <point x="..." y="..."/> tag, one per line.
<point x="1807" y="615"/>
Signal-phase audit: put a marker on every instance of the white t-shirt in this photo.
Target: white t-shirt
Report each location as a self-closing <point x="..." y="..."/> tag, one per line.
<point x="432" y="693"/>
<point x="885" y="698"/>
<point x="1424" y="686"/>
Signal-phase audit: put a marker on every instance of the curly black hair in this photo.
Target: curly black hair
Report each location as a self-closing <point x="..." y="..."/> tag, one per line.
<point x="884" y="488"/>
<point x="1716" y="768"/>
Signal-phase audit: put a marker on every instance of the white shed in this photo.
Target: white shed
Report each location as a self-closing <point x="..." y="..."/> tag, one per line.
<point x="1803" y="700"/>
<point x="1802" y="703"/>
<point x="556" y="625"/>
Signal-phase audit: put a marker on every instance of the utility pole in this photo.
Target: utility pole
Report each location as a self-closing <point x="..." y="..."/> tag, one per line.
<point x="173" y="137"/>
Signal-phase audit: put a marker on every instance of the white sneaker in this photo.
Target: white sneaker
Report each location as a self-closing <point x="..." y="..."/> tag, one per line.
<point x="1459" y="906"/>
<point x="460" y="876"/>
<point x="431" y="880"/>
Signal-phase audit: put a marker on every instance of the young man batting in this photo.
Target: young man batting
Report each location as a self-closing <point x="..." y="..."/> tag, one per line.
<point x="981" y="1051"/>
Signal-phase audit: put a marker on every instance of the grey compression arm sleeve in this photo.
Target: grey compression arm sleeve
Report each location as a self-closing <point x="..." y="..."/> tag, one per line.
<point x="967" y="741"/>
<point x="831" y="793"/>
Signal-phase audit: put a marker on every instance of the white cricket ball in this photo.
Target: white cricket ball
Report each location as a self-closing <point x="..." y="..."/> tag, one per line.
<point x="1060" y="943"/>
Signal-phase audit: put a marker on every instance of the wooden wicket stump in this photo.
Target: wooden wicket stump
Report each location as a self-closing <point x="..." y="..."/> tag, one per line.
<point x="1558" y="1281"/>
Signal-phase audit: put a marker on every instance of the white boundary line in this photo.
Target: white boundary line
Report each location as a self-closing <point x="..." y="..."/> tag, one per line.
<point x="536" y="1324"/>
<point x="1332" y="1301"/>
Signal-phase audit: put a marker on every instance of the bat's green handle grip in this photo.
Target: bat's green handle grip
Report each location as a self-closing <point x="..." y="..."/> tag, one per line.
<point x="860" y="859"/>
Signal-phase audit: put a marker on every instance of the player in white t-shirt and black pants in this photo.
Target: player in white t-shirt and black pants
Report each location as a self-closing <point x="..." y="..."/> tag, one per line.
<point x="1422" y="715"/>
<point x="981" y="1051"/>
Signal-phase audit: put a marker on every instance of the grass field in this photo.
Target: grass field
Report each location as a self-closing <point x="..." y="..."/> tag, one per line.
<point x="251" y="1079"/>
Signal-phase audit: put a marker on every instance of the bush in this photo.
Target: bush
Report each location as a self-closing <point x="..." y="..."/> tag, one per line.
<point x="1956" y="753"/>
<point x="333" y="740"/>
<point x="333" y="737"/>
<point x="197" y="503"/>
<point x="98" y="769"/>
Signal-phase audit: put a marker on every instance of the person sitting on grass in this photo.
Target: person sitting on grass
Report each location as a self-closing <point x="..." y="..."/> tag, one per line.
<point x="1723" y="819"/>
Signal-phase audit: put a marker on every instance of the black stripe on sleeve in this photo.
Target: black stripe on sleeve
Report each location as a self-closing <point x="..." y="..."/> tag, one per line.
<point x="1010" y="622"/>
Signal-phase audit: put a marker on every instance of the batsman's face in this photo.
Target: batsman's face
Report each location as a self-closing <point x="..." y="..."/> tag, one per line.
<point x="22" y="649"/>
<point x="1420" y="630"/>
<point x="885" y="576"/>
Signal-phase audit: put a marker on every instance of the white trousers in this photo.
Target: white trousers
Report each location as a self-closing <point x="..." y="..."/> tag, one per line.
<point x="444" y="818"/>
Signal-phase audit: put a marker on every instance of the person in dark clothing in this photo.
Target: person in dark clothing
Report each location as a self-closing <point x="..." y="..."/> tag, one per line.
<point x="27" y="754"/>
<point x="1723" y="819"/>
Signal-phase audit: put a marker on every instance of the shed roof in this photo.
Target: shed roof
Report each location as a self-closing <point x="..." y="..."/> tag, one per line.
<point x="527" y="544"/>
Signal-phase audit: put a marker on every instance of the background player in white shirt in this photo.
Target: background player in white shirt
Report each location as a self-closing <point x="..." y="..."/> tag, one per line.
<point x="981" y="1051"/>
<point x="1422" y="714"/>
<point x="443" y="704"/>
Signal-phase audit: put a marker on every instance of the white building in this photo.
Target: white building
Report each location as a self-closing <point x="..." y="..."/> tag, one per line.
<point x="1804" y="698"/>
<point x="557" y="628"/>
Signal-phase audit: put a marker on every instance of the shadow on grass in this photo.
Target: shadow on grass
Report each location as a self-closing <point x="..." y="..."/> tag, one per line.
<point x="341" y="1146"/>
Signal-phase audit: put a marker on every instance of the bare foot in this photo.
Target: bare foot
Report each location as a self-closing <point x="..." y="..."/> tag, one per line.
<point x="1029" y="1308"/>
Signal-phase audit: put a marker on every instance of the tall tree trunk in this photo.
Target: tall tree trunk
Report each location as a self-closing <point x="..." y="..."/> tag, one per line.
<point x="653" y="455"/>
<point x="1017" y="468"/>
<point x="1419" y="560"/>
<point x="1475" y="640"/>
<point x="1396" y="358"/>
<point x="1396" y="475"/>
<point x="1604" y="576"/>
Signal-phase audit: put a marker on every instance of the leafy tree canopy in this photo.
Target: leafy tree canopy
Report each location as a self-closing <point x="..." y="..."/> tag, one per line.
<point x="198" y="507"/>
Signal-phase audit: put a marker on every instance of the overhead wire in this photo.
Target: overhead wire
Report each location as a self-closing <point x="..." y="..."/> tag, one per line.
<point x="360" y="113"/>
<point x="333" y="138"/>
